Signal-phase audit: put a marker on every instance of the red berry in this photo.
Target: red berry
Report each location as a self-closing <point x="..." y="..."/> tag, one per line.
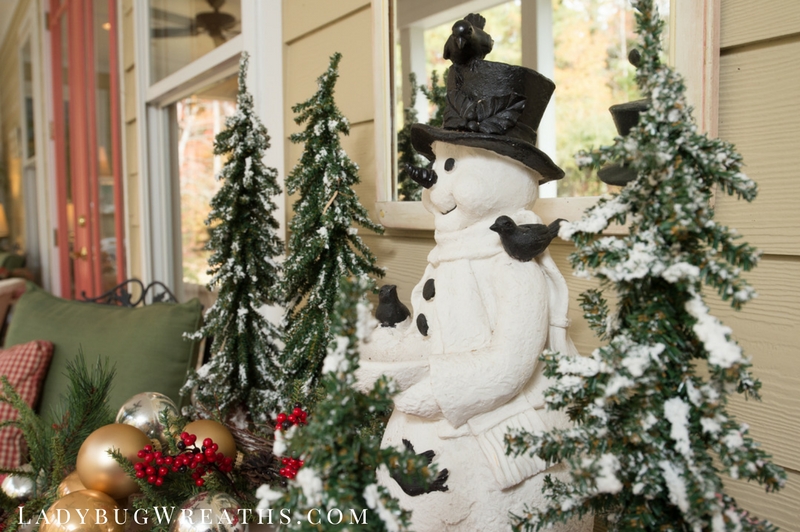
<point x="292" y="473"/>
<point x="159" y="461"/>
<point x="199" y="482"/>
<point x="184" y="435"/>
<point x="283" y="471"/>
<point x="301" y="462"/>
<point x="280" y="419"/>
<point x="150" y="470"/>
<point x="285" y="461"/>
<point x="138" y="465"/>
<point x="297" y="412"/>
<point x="292" y="419"/>
<point x="207" y="442"/>
<point x="148" y="457"/>
<point x="162" y="471"/>
<point x="141" y="453"/>
<point x="174" y="468"/>
<point x="148" y="448"/>
<point x="140" y="474"/>
<point x="168" y="460"/>
<point x="159" y="481"/>
<point x="151" y="479"/>
<point x="214" y="447"/>
<point x="193" y="438"/>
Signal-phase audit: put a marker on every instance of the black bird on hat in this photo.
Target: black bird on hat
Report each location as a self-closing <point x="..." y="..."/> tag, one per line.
<point x="490" y="105"/>
<point x="468" y="40"/>
<point x="527" y="241"/>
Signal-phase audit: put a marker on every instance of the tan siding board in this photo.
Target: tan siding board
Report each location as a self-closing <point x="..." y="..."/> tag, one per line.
<point x="781" y="508"/>
<point x="767" y="330"/>
<point x="759" y="91"/>
<point x="130" y="94"/>
<point x="304" y="16"/>
<point x="128" y="39"/>
<point x="745" y="21"/>
<point x="132" y="147"/>
<point x="134" y="201"/>
<point x="308" y="59"/>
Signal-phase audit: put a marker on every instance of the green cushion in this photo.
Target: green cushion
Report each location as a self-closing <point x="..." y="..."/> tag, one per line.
<point x="11" y="261"/>
<point x="145" y="344"/>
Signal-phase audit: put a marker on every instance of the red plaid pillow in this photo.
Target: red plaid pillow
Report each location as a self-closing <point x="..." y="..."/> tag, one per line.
<point x="25" y="367"/>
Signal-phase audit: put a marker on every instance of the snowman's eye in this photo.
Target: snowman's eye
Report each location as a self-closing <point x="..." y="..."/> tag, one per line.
<point x="449" y="164"/>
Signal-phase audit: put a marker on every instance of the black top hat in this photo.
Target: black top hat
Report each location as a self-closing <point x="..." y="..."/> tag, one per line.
<point x="493" y="106"/>
<point x="626" y="116"/>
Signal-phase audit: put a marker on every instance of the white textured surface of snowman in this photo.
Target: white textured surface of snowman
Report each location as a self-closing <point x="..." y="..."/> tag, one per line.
<point x="466" y="364"/>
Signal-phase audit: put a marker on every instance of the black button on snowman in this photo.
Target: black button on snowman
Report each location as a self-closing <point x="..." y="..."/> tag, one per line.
<point x="466" y="364"/>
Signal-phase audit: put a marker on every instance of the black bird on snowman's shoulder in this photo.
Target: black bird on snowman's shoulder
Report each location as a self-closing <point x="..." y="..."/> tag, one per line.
<point x="526" y="241"/>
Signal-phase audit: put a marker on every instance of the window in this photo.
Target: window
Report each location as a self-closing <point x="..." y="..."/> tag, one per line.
<point x="575" y="120"/>
<point x="187" y="58"/>
<point x="182" y="31"/>
<point x="195" y="122"/>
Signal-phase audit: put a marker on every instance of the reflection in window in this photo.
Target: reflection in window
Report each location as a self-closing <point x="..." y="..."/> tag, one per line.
<point x="591" y="40"/>
<point x="198" y="119"/>
<point x="184" y="30"/>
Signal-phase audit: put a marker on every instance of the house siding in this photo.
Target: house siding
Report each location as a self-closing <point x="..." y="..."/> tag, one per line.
<point x="758" y="112"/>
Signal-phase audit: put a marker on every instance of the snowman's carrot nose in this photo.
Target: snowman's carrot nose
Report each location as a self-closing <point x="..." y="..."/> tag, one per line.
<point x="426" y="177"/>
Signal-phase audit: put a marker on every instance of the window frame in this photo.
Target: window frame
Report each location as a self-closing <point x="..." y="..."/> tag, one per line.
<point x="261" y="37"/>
<point x="694" y="52"/>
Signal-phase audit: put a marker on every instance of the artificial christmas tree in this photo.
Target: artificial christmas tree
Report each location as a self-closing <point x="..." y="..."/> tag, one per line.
<point x="407" y="188"/>
<point x="324" y="245"/>
<point x="340" y="445"/>
<point x="653" y="433"/>
<point x="242" y="372"/>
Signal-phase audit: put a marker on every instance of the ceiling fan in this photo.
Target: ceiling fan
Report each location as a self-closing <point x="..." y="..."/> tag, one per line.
<point x="213" y="23"/>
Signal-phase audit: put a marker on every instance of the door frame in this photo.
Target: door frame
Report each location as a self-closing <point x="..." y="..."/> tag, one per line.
<point x="83" y="160"/>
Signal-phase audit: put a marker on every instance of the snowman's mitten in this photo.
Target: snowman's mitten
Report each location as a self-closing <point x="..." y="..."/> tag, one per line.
<point x="419" y="401"/>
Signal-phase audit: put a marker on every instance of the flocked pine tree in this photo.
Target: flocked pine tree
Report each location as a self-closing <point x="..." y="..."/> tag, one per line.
<point x="407" y="188"/>
<point x="242" y="371"/>
<point x="437" y="96"/>
<point x="653" y="435"/>
<point x="324" y="245"/>
<point x="340" y="447"/>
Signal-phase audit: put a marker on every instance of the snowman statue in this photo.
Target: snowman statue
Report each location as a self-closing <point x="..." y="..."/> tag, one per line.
<point x="490" y="302"/>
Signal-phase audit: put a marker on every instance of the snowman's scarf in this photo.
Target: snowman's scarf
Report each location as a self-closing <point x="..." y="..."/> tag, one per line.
<point x="479" y="242"/>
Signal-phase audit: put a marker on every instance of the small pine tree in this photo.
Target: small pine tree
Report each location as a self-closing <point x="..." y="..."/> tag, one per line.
<point x="408" y="189"/>
<point x="437" y="96"/>
<point x="653" y="432"/>
<point x="54" y="439"/>
<point x="340" y="446"/>
<point x="324" y="245"/>
<point x="244" y="241"/>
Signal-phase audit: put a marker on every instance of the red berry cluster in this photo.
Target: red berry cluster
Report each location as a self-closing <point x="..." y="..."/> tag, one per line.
<point x="290" y="467"/>
<point x="200" y="460"/>
<point x="297" y="417"/>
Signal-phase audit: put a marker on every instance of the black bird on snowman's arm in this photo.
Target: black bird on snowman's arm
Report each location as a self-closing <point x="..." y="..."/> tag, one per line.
<point x="526" y="241"/>
<point x="468" y="42"/>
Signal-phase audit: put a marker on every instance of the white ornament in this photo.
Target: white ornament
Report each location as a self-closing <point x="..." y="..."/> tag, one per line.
<point x="474" y="373"/>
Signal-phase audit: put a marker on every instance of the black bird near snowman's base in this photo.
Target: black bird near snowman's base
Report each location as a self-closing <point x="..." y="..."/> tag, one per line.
<point x="527" y="241"/>
<point x="391" y="310"/>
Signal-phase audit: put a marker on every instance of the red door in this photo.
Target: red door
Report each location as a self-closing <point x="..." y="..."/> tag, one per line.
<point x="88" y="159"/>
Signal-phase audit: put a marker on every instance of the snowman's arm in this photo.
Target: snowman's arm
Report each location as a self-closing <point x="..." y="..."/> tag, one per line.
<point x="467" y="384"/>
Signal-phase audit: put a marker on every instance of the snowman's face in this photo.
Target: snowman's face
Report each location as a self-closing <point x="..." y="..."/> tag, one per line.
<point x="476" y="185"/>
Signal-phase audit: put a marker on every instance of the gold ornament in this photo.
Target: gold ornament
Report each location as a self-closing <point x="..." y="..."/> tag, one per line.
<point x="143" y="411"/>
<point x="224" y="515"/>
<point x="98" y="470"/>
<point x="207" y="428"/>
<point x="83" y="511"/>
<point x="71" y="482"/>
